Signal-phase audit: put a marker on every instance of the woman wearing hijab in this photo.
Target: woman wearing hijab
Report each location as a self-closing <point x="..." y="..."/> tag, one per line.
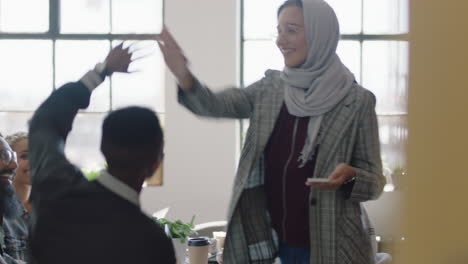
<point x="311" y="120"/>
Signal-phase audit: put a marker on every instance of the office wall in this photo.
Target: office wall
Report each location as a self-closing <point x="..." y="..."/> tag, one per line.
<point x="437" y="216"/>
<point x="200" y="154"/>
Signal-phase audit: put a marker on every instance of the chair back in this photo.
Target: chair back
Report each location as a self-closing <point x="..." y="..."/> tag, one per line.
<point x="207" y="229"/>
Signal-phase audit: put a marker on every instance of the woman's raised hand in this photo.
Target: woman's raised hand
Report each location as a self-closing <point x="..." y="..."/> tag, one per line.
<point x="175" y="59"/>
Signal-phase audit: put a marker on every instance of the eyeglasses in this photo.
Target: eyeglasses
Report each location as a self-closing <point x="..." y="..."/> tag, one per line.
<point x="288" y="31"/>
<point x="7" y="156"/>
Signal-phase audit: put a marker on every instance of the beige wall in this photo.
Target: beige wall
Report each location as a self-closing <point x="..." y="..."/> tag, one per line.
<point x="201" y="154"/>
<point x="437" y="200"/>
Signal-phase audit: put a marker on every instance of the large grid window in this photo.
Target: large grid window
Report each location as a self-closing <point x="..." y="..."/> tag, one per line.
<point x="46" y="43"/>
<point x="374" y="46"/>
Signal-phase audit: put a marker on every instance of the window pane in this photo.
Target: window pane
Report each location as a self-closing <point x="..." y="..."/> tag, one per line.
<point x="74" y="58"/>
<point x="14" y="122"/>
<point x="260" y="19"/>
<point x="24" y="15"/>
<point x="349" y="13"/>
<point x="258" y="57"/>
<point x="26" y="73"/>
<point x="393" y="137"/>
<point x="385" y="72"/>
<point x="350" y="54"/>
<point x="137" y="16"/>
<point x="386" y="16"/>
<point x="85" y="16"/>
<point x="83" y="144"/>
<point x="145" y="87"/>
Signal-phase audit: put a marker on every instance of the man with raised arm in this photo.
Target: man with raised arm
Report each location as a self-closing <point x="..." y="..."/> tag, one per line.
<point x="79" y="221"/>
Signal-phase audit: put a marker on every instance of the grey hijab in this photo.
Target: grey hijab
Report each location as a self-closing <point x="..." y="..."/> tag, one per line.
<point x="319" y="84"/>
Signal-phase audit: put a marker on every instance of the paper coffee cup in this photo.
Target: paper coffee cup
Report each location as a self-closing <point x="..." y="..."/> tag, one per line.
<point x="198" y="250"/>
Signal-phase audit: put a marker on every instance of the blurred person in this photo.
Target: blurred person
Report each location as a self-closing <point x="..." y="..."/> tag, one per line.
<point x="12" y="247"/>
<point x="16" y="229"/>
<point x="310" y="120"/>
<point x="22" y="182"/>
<point x="79" y="221"/>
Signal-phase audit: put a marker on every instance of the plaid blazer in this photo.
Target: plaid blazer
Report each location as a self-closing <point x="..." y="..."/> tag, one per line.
<point x="349" y="134"/>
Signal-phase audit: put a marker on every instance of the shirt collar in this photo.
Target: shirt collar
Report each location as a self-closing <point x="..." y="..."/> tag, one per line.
<point x="118" y="187"/>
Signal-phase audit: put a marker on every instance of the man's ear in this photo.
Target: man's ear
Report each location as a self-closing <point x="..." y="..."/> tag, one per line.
<point x="158" y="162"/>
<point x="156" y="165"/>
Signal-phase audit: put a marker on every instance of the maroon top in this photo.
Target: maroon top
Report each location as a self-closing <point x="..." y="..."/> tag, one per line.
<point x="285" y="182"/>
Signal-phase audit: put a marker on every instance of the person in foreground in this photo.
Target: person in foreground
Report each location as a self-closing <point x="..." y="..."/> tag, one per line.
<point x="79" y="221"/>
<point x="310" y="120"/>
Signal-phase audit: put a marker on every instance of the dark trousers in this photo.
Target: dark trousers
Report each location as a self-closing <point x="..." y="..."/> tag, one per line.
<point x="293" y="255"/>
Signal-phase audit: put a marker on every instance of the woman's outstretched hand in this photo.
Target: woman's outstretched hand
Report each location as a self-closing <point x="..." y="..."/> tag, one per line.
<point x="175" y="59"/>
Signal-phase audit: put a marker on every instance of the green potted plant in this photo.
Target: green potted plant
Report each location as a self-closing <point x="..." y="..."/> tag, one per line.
<point x="91" y="175"/>
<point x="179" y="232"/>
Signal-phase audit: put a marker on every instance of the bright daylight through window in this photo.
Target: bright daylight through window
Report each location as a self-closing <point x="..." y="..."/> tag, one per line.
<point x="46" y="43"/>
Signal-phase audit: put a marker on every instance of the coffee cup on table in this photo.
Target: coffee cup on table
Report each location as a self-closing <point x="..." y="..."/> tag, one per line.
<point x="198" y="250"/>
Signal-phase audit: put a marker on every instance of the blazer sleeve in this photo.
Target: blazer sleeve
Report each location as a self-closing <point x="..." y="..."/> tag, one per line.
<point x="229" y="103"/>
<point x="51" y="172"/>
<point x="160" y="247"/>
<point x="369" y="180"/>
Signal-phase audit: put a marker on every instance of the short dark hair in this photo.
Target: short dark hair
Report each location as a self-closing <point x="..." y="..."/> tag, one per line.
<point x="289" y="3"/>
<point x="132" y="138"/>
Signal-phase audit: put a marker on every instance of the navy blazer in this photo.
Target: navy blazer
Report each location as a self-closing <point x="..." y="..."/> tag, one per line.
<point x="75" y="220"/>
